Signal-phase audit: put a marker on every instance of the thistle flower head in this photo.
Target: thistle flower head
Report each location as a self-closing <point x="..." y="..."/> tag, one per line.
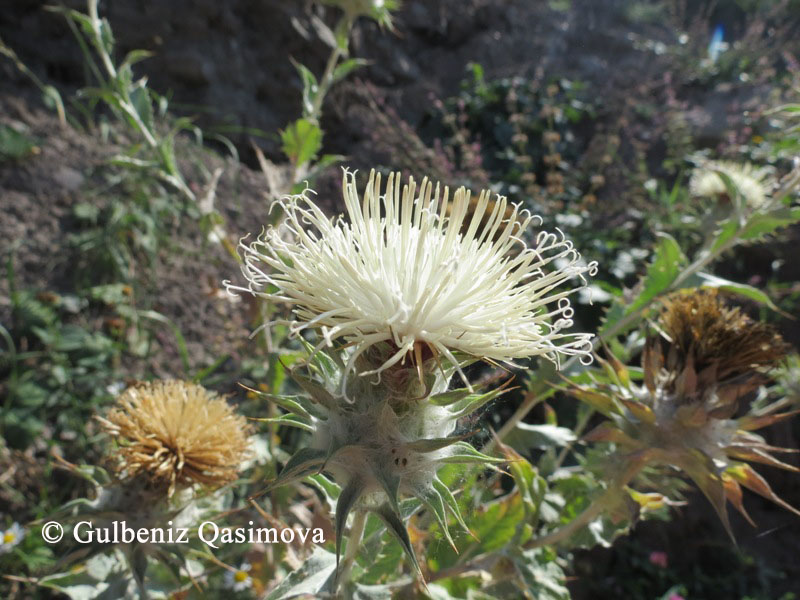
<point x="412" y="268"/>
<point x="696" y="373"/>
<point x="176" y="434"/>
<point x="704" y="330"/>
<point x="753" y="183"/>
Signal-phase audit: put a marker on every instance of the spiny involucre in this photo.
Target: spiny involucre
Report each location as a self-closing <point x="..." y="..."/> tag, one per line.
<point x="409" y="289"/>
<point x="697" y="373"/>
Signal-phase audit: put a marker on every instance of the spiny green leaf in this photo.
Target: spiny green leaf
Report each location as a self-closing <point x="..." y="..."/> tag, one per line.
<point x="303" y="462"/>
<point x="464" y="453"/>
<point x="432" y="444"/>
<point x="390" y="484"/>
<point x="315" y="390"/>
<point x="448" y="398"/>
<point x="292" y="404"/>
<point x="394" y="524"/>
<point x="473" y="402"/>
<point x="349" y="496"/>
<point x="764" y="224"/>
<point x="451" y="502"/>
<point x="289" y="420"/>
<point x="433" y="500"/>
<point x="742" y="289"/>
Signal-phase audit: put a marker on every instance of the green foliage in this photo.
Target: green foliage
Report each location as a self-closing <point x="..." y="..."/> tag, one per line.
<point x="15" y="145"/>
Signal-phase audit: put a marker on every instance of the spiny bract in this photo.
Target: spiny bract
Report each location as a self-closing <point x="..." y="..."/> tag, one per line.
<point x="706" y="361"/>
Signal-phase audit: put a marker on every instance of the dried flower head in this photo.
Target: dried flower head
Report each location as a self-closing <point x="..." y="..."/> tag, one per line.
<point x="412" y="268"/>
<point x="703" y="328"/>
<point x="176" y="434"/>
<point x="696" y="374"/>
<point x="754" y="184"/>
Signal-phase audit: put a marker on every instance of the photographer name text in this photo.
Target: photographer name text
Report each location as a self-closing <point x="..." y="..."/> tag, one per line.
<point x="211" y="534"/>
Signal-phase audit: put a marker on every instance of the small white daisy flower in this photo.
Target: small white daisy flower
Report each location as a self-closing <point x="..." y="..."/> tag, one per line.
<point x="239" y="579"/>
<point x="753" y="183"/>
<point x="410" y="266"/>
<point x="11" y="537"/>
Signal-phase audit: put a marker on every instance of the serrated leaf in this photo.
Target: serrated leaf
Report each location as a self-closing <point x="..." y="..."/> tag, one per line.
<point x="301" y="141"/>
<point x="762" y="224"/>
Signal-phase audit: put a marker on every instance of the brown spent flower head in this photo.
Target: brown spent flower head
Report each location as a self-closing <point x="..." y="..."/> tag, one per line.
<point x="177" y="434"/>
<point x="703" y="328"/>
<point x="707" y="358"/>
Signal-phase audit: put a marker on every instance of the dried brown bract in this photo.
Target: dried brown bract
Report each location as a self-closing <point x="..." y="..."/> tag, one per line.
<point x="707" y="358"/>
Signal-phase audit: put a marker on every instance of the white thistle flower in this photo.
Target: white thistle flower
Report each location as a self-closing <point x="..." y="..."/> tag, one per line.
<point x="753" y="183"/>
<point x="411" y="267"/>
